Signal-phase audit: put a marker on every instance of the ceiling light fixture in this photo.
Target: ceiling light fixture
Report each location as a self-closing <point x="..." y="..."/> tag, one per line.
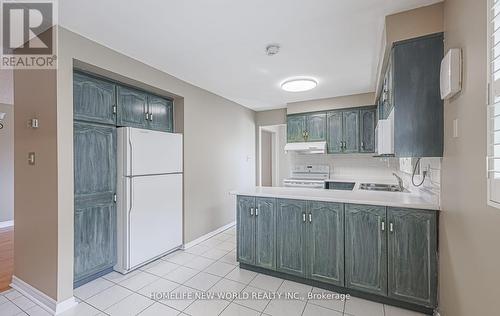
<point x="299" y="84"/>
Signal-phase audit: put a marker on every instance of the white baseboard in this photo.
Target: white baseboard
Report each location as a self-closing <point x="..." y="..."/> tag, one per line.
<point x="207" y="236"/>
<point x="6" y="224"/>
<point x="42" y="299"/>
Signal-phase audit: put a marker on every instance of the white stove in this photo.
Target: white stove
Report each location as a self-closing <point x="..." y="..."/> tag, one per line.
<point x="308" y="176"/>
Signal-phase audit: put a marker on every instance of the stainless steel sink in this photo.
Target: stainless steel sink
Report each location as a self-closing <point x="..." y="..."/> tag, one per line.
<point x="381" y="187"/>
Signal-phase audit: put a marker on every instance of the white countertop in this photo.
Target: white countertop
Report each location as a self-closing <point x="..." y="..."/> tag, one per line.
<point x="396" y="199"/>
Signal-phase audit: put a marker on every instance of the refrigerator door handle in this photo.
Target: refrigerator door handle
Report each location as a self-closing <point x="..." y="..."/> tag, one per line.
<point x="131" y="196"/>
<point x="129" y="154"/>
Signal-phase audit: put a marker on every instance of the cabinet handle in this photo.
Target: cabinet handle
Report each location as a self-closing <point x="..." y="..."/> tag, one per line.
<point x="383" y="226"/>
<point x="147" y="116"/>
<point x="114" y="109"/>
<point x="256" y="212"/>
<point x="363" y="145"/>
<point x="151" y="117"/>
<point x="251" y="211"/>
<point x="304" y="217"/>
<point x="391" y="227"/>
<point x="310" y="218"/>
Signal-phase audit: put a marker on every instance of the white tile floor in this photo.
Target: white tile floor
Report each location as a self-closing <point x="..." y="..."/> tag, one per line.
<point x="209" y="267"/>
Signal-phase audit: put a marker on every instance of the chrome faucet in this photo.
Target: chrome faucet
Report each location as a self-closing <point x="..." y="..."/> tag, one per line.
<point x="400" y="182"/>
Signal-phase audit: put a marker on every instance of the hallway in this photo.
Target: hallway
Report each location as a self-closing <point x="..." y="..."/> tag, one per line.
<point x="6" y="256"/>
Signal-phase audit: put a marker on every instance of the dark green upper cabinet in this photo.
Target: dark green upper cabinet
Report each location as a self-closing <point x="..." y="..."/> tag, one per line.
<point x="291" y="238"/>
<point x="132" y="107"/>
<point x="412" y="253"/>
<point x="344" y="129"/>
<point x="341" y="129"/>
<point x="309" y="127"/>
<point x="296" y="128"/>
<point x="350" y="124"/>
<point x="95" y="209"/>
<point x="160" y="114"/>
<point x="335" y="132"/>
<point x="366" y="248"/>
<point x="418" y="108"/>
<point x="325" y="242"/>
<point x="246" y="229"/>
<point x="93" y="99"/>
<point x="316" y="127"/>
<point x="367" y="130"/>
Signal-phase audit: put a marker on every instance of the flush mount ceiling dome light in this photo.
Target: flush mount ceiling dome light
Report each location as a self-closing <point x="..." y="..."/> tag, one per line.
<point x="299" y="84"/>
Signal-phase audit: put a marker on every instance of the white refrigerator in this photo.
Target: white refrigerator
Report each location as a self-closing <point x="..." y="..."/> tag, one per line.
<point x="149" y="196"/>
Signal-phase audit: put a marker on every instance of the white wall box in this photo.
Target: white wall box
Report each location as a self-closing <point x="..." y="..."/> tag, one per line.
<point x="451" y="73"/>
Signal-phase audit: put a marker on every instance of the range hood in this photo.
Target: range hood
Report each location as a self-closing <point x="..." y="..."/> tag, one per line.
<point x="307" y="148"/>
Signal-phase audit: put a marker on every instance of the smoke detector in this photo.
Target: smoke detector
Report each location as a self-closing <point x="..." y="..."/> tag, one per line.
<point x="272" y="49"/>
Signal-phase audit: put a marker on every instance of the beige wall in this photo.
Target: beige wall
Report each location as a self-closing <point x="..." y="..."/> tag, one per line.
<point x="6" y="86"/>
<point x="219" y="149"/>
<point x="469" y="229"/>
<point x="35" y="187"/>
<point x="331" y="103"/>
<point x="7" y="164"/>
<point x="271" y="117"/>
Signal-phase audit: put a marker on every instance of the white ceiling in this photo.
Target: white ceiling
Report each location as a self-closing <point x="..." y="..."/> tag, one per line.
<point x="219" y="45"/>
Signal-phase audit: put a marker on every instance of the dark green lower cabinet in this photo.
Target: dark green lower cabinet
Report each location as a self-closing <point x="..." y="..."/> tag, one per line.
<point x="383" y="251"/>
<point x="95" y="209"/>
<point x="246" y="229"/>
<point x="291" y="237"/>
<point x="325" y="242"/>
<point x="412" y="250"/>
<point x="366" y="248"/>
<point x="311" y="240"/>
<point x="265" y="233"/>
<point x="256" y="227"/>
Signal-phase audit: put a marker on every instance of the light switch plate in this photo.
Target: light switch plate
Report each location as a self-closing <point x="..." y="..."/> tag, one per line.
<point x="455" y="128"/>
<point x="31" y="158"/>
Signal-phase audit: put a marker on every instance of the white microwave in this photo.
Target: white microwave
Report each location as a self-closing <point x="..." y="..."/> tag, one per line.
<point x="385" y="135"/>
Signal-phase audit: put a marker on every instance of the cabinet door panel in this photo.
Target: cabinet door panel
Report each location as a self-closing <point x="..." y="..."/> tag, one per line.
<point x="326" y="242"/>
<point x="334" y="132"/>
<point x="295" y="128"/>
<point x="95" y="210"/>
<point x="367" y="131"/>
<point x="412" y="247"/>
<point x="316" y="127"/>
<point x="265" y="233"/>
<point x="161" y="114"/>
<point x="351" y="131"/>
<point x="290" y="233"/>
<point x="132" y="108"/>
<point x="93" y="99"/>
<point x="246" y="230"/>
<point x="418" y="108"/>
<point x="94" y="239"/>
<point x="365" y="248"/>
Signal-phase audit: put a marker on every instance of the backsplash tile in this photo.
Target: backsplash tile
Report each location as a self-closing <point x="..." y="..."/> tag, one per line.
<point x="369" y="167"/>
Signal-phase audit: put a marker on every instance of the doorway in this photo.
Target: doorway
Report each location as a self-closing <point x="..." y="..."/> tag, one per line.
<point x="272" y="140"/>
<point x="6" y="178"/>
